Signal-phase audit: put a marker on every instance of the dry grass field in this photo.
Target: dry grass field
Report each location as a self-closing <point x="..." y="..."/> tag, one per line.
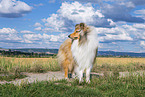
<point x="119" y="61"/>
<point x="8" y="64"/>
<point x="119" y="64"/>
<point x="28" y="64"/>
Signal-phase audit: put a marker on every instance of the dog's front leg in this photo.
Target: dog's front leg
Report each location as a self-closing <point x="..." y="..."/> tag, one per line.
<point x="80" y="76"/>
<point x="88" y="71"/>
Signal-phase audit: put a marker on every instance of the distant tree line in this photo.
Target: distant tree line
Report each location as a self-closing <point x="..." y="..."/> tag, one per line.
<point x="121" y="56"/>
<point x="20" y="54"/>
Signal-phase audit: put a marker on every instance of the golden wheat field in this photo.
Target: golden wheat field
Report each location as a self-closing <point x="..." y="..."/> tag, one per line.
<point x="99" y="61"/>
<point x="119" y="61"/>
<point x="8" y="64"/>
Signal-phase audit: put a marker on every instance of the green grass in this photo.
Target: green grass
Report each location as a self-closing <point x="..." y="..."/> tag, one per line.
<point x="10" y="77"/>
<point x="133" y="86"/>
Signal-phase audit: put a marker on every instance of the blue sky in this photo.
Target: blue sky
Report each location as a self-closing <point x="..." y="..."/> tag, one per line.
<point x="120" y="24"/>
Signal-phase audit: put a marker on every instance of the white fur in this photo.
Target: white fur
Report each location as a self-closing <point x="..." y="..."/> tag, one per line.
<point x="84" y="54"/>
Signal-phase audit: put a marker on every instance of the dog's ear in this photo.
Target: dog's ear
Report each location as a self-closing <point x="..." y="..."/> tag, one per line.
<point x="77" y="26"/>
<point x="82" y="25"/>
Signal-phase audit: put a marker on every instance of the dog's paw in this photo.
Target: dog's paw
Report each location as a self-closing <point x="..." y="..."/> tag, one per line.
<point x="66" y="78"/>
<point x="81" y="81"/>
<point x="88" y="81"/>
<point x="74" y="76"/>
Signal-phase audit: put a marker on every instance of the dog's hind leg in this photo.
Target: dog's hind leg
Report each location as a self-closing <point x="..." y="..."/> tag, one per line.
<point x="66" y="73"/>
<point x="65" y="66"/>
<point x="73" y="73"/>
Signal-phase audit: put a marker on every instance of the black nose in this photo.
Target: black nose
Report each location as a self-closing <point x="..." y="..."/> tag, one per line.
<point x="69" y="36"/>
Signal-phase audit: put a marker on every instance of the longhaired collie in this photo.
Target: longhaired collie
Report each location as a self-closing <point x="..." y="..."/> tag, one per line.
<point x="78" y="53"/>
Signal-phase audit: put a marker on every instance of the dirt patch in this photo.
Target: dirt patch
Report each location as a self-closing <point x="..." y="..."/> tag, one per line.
<point x="34" y="77"/>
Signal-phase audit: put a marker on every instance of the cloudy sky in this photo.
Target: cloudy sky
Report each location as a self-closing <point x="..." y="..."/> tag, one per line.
<point x="47" y="23"/>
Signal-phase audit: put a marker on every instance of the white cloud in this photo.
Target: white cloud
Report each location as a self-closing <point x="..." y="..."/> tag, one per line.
<point x="123" y="37"/>
<point x="139" y="31"/>
<point x="142" y="43"/>
<point x="118" y="10"/>
<point x="86" y="1"/>
<point x="54" y="38"/>
<point x="27" y="32"/>
<point x="139" y="26"/>
<point x="127" y="4"/>
<point x="49" y="30"/>
<point x="142" y="11"/>
<point x="38" y="29"/>
<point x="58" y="38"/>
<point x="27" y="41"/>
<point x="70" y="14"/>
<point x="13" y="8"/>
<point x="32" y="36"/>
<point x="7" y="31"/>
<point x="12" y="38"/>
<point x="9" y="35"/>
<point x="37" y="24"/>
<point x="77" y="12"/>
<point x="113" y="34"/>
<point x="37" y="38"/>
<point x="123" y="33"/>
<point x="54" y="23"/>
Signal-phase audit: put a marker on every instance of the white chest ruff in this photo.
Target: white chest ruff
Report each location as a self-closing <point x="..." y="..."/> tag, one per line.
<point x="84" y="54"/>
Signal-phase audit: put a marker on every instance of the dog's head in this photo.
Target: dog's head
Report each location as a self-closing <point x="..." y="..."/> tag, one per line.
<point x="80" y="30"/>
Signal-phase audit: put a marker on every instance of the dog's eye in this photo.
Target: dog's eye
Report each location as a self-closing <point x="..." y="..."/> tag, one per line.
<point x="78" y="31"/>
